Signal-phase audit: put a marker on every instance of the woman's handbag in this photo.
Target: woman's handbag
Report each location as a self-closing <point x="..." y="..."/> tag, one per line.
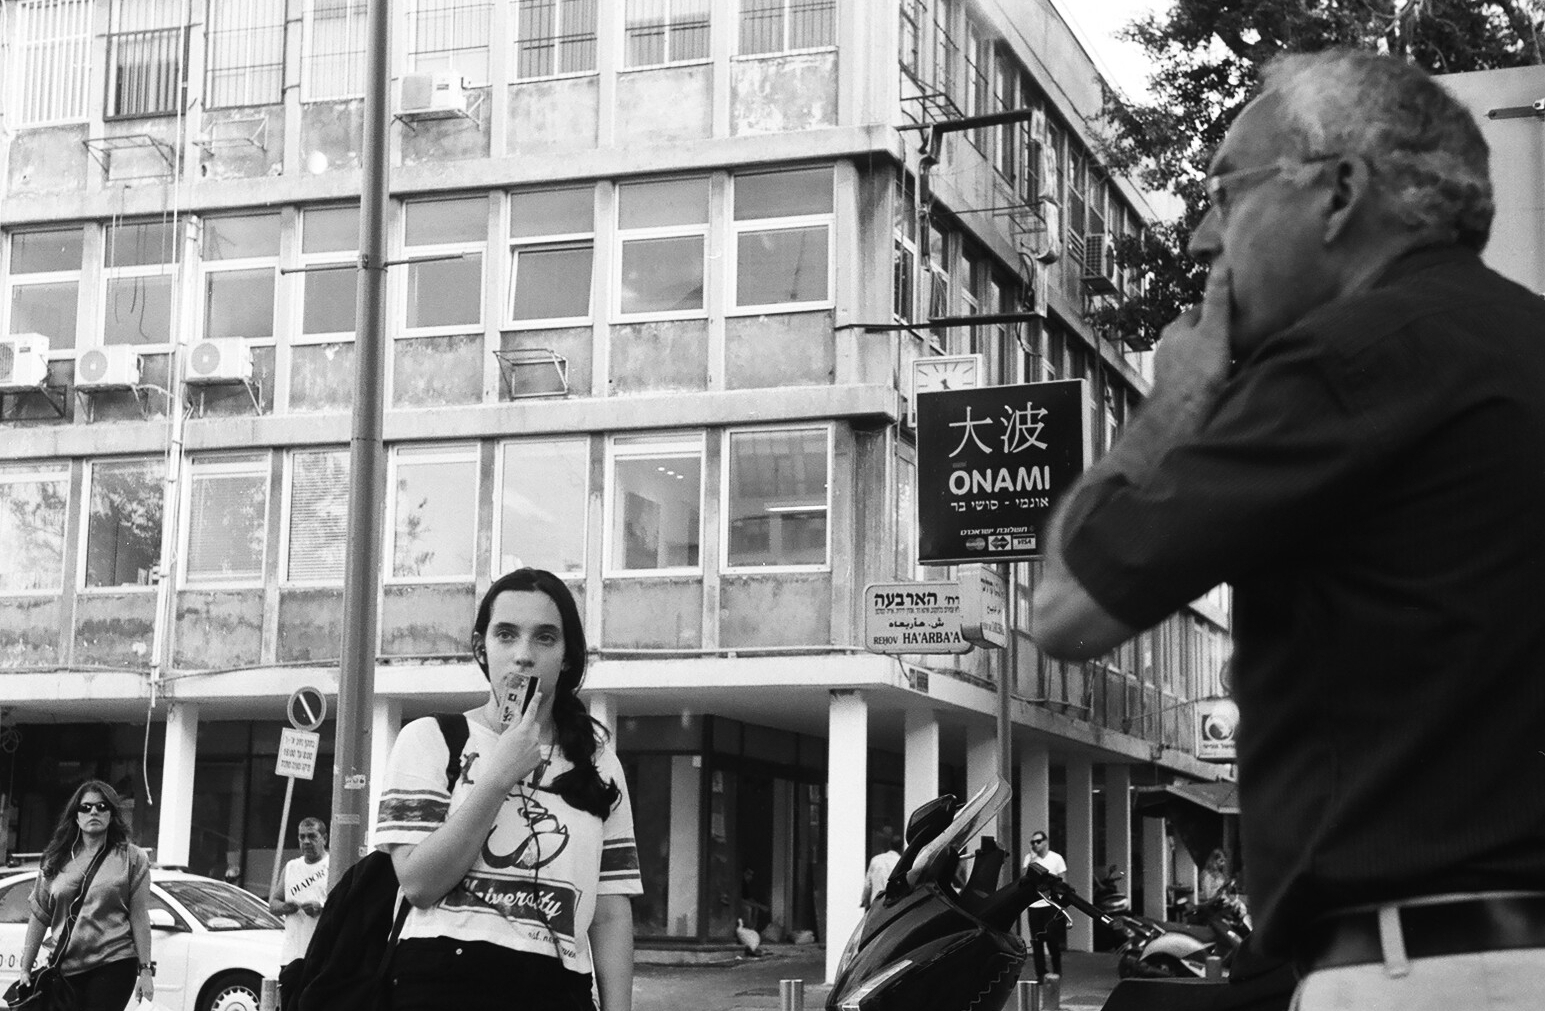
<point x="48" y="990"/>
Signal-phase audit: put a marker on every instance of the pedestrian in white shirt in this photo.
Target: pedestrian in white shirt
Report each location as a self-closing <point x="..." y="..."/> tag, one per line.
<point x="1048" y="924"/>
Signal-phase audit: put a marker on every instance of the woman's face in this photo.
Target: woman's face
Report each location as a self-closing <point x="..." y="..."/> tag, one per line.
<point x="524" y="640"/>
<point x="93" y="813"/>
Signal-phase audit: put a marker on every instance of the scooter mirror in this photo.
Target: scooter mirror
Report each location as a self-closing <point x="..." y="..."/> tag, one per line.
<point x="932" y="818"/>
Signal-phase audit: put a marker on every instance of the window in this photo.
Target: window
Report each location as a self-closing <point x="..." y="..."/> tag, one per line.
<point x="33" y="502"/>
<point x="554" y="37"/>
<point x="141" y="266"/>
<point x="316" y="516"/>
<point x="329" y="237"/>
<point x="655" y="506"/>
<point x="551" y="248"/>
<point x="776" y="498"/>
<point x="123" y="526"/>
<point x="44" y="285"/>
<point x="445" y="295"/>
<point x="244" y="53"/>
<point x="53" y="60"/>
<point x="333" y="57"/>
<point x="450" y="35"/>
<point x="782" y="26"/>
<point x="783" y="227"/>
<point x="907" y="566"/>
<point x="663" y="229"/>
<point x="433" y="512"/>
<point x="666" y="31"/>
<point x="146" y="58"/>
<point x="240" y="260"/>
<point x="904" y="240"/>
<point x="543" y="489"/>
<point x="227" y="520"/>
<point x="946" y="52"/>
<point x="913" y="13"/>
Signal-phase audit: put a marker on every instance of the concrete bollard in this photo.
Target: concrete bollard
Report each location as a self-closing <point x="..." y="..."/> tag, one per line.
<point x="1051" y="993"/>
<point x="791" y="995"/>
<point x="1214" y="967"/>
<point x="268" y="999"/>
<point x="1029" y="993"/>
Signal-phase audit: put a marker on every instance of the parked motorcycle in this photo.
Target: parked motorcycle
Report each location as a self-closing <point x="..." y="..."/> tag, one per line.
<point x="1217" y="927"/>
<point x="1113" y="902"/>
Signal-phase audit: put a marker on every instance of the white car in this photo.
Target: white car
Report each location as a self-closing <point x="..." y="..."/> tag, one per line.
<point x="213" y="943"/>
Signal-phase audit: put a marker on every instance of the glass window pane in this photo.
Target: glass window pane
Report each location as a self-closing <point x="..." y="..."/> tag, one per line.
<point x="553" y="212"/>
<point x="226" y="519"/>
<point x="318" y="520"/>
<point x="436" y="222"/>
<point x="662" y="275"/>
<point x="783" y="194"/>
<point x="32" y="512"/>
<point x="542" y="506"/>
<point x="48" y="309"/>
<point x="552" y="283"/>
<point x="142" y="244"/>
<point x="328" y="306"/>
<point x="139" y="310"/>
<point x="788" y="265"/>
<point x="761" y="26"/>
<point x="436" y="517"/>
<point x="330" y="230"/>
<point x="656" y="512"/>
<point x="446" y="292"/>
<point x="666" y="202"/>
<point x="242" y="235"/>
<point x="123" y="532"/>
<point x="239" y="303"/>
<point x="56" y="249"/>
<point x="777" y="508"/>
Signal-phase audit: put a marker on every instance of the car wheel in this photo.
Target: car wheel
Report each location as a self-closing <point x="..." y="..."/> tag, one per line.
<point x="231" y="991"/>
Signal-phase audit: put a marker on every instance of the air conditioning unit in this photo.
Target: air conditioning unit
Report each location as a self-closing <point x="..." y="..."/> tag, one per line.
<point x="1099" y="263"/>
<point x="110" y="368"/>
<point x="1043" y="241"/>
<point x="439" y="95"/>
<point x="1046" y="172"/>
<point x="23" y="362"/>
<point x="219" y="360"/>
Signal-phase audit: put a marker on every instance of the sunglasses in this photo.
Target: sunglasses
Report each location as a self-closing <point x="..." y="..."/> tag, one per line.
<point x="1037" y="842"/>
<point x="93" y="806"/>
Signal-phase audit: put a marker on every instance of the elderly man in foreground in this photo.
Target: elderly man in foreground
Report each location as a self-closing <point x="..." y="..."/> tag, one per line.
<point x="1351" y="431"/>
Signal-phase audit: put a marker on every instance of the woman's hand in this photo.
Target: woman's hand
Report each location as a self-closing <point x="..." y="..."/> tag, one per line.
<point x="145" y="986"/>
<point x="25" y="979"/>
<point x="519" y="749"/>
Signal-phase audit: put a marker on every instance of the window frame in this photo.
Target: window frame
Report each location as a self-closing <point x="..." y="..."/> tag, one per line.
<point x="286" y="517"/>
<point x="88" y="487"/>
<point x="786" y="22"/>
<point x="827" y="429"/>
<point x="207" y="267"/>
<point x="463" y="247"/>
<point x="352" y="75"/>
<point x="179" y="82"/>
<point x="650" y="445"/>
<point x="415" y="10"/>
<point x="113" y="272"/>
<point x="622" y="236"/>
<point x="554" y="42"/>
<point x="237" y="39"/>
<point x="38" y="472"/>
<point x="339" y="259"/>
<point x="501" y="448"/>
<point x="39" y="278"/>
<point x="48" y="59"/>
<point x="248" y="464"/>
<point x="450" y="452"/>
<point x="670" y="27"/>
<point x="515" y="245"/>
<point x="786" y="223"/>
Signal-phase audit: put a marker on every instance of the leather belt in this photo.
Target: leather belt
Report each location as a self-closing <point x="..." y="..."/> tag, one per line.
<point x="1442" y="928"/>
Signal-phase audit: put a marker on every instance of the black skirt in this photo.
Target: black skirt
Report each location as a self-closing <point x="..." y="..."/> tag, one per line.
<point x="432" y="974"/>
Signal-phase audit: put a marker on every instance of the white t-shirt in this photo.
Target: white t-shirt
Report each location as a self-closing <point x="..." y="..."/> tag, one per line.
<point x="877" y="875"/>
<point x="1053" y="862"/>
<point x="303" y="882"/>
<point x="534" y="884"/>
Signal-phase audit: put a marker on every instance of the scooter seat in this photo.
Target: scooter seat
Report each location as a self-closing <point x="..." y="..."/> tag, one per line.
<point x="1201" y="933"/>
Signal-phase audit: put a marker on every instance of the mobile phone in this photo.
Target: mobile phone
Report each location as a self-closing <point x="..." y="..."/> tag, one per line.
<point x="517" y="699"/>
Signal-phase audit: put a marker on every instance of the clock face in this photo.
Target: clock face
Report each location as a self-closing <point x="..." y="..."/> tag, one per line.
<point x="944" y="374"/>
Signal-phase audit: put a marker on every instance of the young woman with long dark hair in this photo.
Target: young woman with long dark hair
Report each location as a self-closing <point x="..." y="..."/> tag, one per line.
<point x="108" y="958"/>
<point x="520" y="875"/>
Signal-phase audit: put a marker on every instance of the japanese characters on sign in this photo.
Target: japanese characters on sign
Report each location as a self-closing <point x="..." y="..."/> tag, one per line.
<point x="990" y="464"/>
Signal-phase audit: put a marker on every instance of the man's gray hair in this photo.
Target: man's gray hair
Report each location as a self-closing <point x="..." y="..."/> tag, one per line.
<point x="1424" y="147"/>
<point x="316" y="823"/>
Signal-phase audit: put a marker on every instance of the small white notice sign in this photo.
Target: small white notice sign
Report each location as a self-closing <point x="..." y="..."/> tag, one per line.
<point x="298" y="753"/>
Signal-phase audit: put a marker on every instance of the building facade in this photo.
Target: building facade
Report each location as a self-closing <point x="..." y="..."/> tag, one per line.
<point x="659" y="272"/>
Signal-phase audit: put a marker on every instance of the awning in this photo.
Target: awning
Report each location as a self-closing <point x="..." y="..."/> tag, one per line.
<point x="1155" y="801"/>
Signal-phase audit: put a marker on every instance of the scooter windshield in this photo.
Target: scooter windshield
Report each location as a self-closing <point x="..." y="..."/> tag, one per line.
<point x="974" y="816"/>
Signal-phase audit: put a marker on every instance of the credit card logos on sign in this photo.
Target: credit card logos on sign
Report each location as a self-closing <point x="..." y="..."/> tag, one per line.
<point x="1026" y="543"/>
<point x="998" y="542"/>
<point x="976" y="543"/>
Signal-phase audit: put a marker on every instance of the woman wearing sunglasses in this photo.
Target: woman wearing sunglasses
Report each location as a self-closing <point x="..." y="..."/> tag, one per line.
<point x="107" y="958"/>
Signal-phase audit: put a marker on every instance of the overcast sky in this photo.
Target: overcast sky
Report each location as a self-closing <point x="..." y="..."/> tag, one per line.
<point x="1096" y="22"/>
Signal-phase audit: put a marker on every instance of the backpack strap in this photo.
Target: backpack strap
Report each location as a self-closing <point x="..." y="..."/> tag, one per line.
<point x="454" y="728"/>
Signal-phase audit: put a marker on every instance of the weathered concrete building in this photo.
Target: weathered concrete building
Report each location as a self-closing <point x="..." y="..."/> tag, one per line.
<point x="651" y="257"/>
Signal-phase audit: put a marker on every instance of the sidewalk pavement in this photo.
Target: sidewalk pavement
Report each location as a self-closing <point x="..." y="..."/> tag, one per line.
<point x="738" y="983"/>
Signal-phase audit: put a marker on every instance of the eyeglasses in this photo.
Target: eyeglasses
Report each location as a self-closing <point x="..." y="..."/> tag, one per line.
<point x="93" y="806"/>
<point x="1218" y="183"/>
<point x="1037" y="842"/>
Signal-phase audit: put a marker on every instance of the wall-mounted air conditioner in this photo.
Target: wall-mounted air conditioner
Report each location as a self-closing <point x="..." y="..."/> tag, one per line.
<point x="23" y="362"/>
<point x="107" y="368"/>
<point x="1099" y="263"/>
<point x="219" y="360"/>
<point x="438" y="95"/>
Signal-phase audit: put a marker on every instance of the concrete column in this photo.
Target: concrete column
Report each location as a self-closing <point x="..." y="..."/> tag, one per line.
<point x="1080" y="845"/>
<point x="920" y="777"/>
<point x="1118" y="822"/>
<point x="1185" y="869"/>
<point x="603" y="707"/>
<point x="176" y="798"/>
<point x="847" y="779"/>
<point x="385" y="722"/>
<point x="1155" y="867"/>
<point x="1034" y="794"/>
<point x="686" y="820"/>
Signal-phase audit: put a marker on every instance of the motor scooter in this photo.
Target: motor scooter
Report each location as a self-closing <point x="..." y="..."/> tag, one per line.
<point x="1217" y="927"/>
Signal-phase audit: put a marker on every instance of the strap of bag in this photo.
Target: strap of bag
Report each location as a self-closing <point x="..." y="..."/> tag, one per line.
<point x="75" y="907"/>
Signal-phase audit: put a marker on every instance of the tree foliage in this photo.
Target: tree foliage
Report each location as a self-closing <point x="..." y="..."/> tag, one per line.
<point x="1206" y="57"/>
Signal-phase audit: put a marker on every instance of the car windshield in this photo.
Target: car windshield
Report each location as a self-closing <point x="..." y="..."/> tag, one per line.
<point x="219" y="906"/>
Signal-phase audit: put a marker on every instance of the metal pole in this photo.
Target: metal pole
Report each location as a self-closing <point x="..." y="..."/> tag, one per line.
<point x="791" y="995"/>
<point x="367" y="466"/>
<point x="1005" y="725"/>
<point x="284" y="825"/>
<point x="1029" y="993"/>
